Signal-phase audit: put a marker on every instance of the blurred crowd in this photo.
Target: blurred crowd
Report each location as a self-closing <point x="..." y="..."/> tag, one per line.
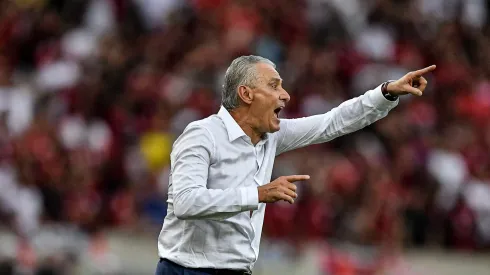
<point x="93" y="94"/>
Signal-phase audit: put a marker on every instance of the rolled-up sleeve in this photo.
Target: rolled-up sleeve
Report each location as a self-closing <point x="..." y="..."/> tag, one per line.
<point x="191" y="158"/>
<point x="348" y="117"/>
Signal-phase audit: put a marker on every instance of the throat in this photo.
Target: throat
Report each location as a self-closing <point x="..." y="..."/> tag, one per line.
<point x="254" y="135"/>
<point x="247" y="125"/>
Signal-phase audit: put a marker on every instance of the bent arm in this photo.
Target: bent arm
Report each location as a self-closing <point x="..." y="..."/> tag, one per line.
<point x="348" y="117"/>
<point x="191" y="158"/>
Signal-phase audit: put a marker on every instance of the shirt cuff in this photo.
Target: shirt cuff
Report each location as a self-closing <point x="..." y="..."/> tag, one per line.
<point x="250" y="198"/>
<point x="379" y="101"/>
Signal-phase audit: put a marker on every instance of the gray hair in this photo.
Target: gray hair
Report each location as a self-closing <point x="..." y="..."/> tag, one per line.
<point x="240" y="72"/>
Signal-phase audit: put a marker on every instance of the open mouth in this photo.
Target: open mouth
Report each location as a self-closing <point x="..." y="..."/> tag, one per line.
<point x="277" y="111"/>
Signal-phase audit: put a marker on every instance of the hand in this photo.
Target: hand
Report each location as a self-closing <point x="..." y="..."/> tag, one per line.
<point x="281" y="189"/>
<point x="412" y="83"/>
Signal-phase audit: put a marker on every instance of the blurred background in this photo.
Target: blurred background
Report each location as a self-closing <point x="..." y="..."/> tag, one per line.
<point x="94" y="92"/>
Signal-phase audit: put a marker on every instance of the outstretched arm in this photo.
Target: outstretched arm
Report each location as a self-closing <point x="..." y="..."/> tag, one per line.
<point x="350" y="116"/>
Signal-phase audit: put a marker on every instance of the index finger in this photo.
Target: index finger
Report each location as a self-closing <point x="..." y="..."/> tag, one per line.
<point x="294" y="178"/>
<point x="425" y="70"/>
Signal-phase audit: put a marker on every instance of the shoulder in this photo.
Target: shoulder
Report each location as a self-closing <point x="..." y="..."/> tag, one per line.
<point x="213" y="126"/>
<point x="200" y="129"/>
<point x="208" y="126"/>
<point x="204" y="132"/>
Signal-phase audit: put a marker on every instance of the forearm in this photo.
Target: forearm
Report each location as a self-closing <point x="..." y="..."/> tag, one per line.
<point x="348" y="117"/>
<point x="203" y="203"/>
<point x="356" y="113"/>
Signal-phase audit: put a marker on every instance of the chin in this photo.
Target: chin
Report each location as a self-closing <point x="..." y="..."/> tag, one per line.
<point x="274" y="127"/>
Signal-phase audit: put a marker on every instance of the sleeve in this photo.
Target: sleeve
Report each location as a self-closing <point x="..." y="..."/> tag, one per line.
<point x="348" y="117"/>
<point x="191" y="158"/>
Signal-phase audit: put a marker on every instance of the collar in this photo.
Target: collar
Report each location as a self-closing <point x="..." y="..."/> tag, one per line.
<point x="234" y="130"/>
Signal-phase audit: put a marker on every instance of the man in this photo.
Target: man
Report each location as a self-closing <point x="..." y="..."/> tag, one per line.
<point x="221" y="166"/>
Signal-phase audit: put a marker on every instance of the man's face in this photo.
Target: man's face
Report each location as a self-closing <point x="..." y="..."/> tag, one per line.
<point x="269" y="98"/>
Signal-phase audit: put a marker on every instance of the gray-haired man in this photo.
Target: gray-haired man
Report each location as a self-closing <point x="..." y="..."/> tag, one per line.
<point x="221" y="166"/>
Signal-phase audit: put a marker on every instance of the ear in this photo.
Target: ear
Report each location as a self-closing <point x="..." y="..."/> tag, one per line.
<point x="245" y="94"/>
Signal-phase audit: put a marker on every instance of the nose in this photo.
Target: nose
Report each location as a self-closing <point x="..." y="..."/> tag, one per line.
<point x="284" y="96"/>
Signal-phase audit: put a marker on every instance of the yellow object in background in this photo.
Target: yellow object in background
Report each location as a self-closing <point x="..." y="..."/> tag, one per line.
<point x="156" y="148"/>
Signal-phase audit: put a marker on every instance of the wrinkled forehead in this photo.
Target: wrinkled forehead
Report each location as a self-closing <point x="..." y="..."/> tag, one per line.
<point x="266" y="72"/>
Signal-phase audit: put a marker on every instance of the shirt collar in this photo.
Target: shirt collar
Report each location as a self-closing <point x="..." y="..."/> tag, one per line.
<point x="233" y="129"/>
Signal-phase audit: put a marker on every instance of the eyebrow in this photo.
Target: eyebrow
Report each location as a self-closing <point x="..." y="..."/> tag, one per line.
<point x="275" y="79"/>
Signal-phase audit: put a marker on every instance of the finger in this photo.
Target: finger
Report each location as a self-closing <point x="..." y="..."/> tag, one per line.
<point x="285" y="197"/>
<point x="422" y="84"/>
<point x="290" y="193"/>
<point x="424" y="70"/>
<point x="294" y="178"/>
<point x="290" y="186"/>
<point x="412" y="90"/>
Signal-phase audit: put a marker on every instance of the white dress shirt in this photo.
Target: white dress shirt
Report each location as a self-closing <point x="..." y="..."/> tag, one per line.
<point x="215" y="172"/>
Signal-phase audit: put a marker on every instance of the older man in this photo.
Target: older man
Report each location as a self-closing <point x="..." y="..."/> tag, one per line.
<point x="221" y="166"/>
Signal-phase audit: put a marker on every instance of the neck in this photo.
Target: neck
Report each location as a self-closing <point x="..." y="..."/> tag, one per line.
<point x="245" y="121"/>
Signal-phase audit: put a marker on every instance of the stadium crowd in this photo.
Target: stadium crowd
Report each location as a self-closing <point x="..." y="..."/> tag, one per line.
<point x="93" y="94"/>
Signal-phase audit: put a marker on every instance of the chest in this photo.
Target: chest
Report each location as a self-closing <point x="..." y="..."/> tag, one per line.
<point x="239" y="164"/>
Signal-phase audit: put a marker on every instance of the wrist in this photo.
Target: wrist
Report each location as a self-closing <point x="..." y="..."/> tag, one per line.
<point x="387" y="91"/>
<point x="389" y="87"/>
<point x="260" y="194"/>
